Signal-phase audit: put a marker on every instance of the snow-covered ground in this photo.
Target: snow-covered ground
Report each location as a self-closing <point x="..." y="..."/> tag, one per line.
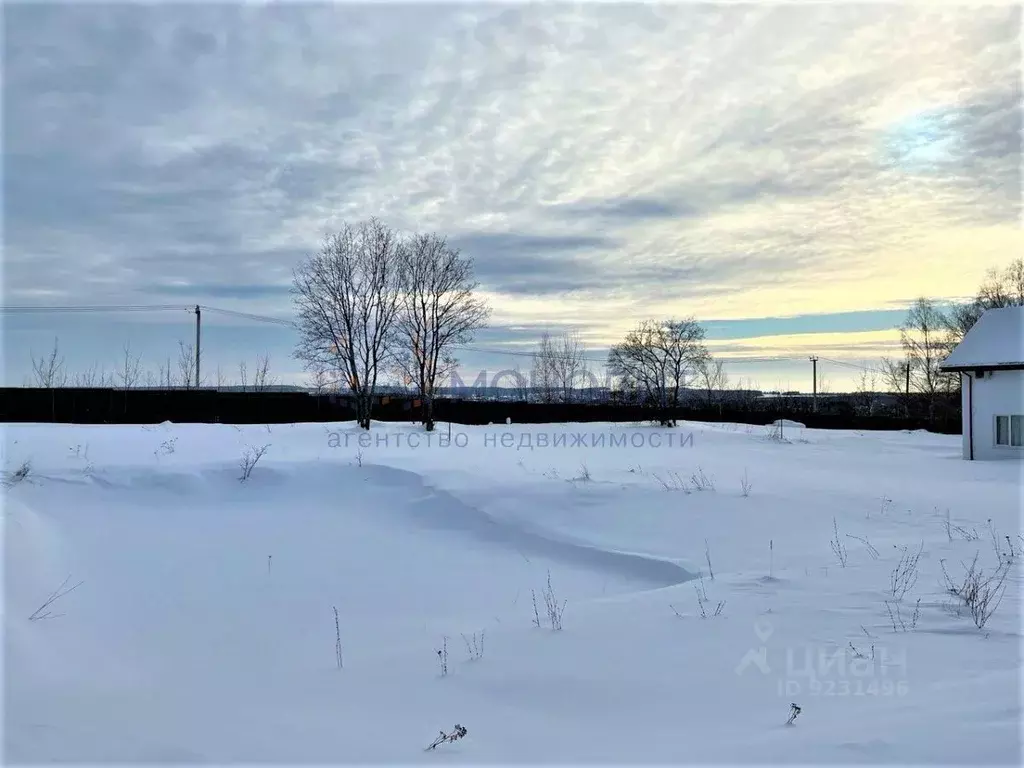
<point x="201" y="624"/>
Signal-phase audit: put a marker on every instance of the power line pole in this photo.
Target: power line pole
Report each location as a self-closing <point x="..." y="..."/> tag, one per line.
<point x="198" y="318"/>
<point x="906" y="399"/>
<point x="814" y="377"/>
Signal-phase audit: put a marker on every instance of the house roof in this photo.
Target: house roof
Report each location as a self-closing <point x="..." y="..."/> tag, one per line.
<point x="995" y="341"/>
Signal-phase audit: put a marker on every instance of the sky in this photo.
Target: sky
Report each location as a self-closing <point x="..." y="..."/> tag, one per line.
<point x="792" y="176"/>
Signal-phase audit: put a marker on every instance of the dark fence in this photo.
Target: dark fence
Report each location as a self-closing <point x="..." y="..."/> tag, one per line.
<point x="152" y="406"/>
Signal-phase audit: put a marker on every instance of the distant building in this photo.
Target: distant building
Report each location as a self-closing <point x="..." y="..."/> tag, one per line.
<point x="990" y="362"/>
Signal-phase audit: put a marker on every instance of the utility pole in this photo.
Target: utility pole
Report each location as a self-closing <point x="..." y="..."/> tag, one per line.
<point x="198" y="317"/>
<point x="814" y="377"/>
<point x="906" y="406"/>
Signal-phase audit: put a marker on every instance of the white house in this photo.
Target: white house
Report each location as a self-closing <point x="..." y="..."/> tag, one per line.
<point x="990" y="361"/>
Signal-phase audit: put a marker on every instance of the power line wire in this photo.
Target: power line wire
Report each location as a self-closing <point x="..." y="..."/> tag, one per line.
<point x="109" y="308"/>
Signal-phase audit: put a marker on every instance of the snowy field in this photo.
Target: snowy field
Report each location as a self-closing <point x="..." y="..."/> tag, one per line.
<point x="703" y="587"/>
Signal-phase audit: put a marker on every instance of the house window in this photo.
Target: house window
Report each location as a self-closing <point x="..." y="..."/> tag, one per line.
<point x="1010" y="430"/>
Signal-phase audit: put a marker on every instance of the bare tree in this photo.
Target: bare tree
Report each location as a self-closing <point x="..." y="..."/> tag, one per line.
<point x="321" y="381"/>
<point x="1005" y="288"/>
<point x="49" y="371"/>
<point x="261" y="379"/>
<point x="543" y="379"/>
<point x="927" y="342"/>
<point x="745" y="395"/>
<point x="824" y="385"/>
<point x="186" y="364"/>
<point x="659" y="359"/>
<point x="438" y="310"/>
<point x="348" y="299"/>
<point x="560" y="368"/>
<point x="1000" y="289"/>
<point x="522" y="385"/>
<point x="86" y="378"/>
<point x="130" y="370"/>
<point x="713" y="379"/>
<point x="866" y="395"/>
<point x="242" y="376"/>
<point x="895" y="378"/>
<point x="570" y="366"/>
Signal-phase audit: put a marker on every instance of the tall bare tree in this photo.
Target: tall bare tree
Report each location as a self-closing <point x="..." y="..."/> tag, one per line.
<point x="261" y="378"/>
<point x="348" y="298"/>
<point x="521" y="385"/>
<point x="130" y="370"/>
<point x="560" y="368"/>
<point x="711" y="375"/>
<point x="1001" y="288"/>
<point x="659" y="358"/>
<point x="49" y="371"/>
<point x="166" y="374"/>
<point x="570" y="366"/>
<point x="895" y="379"/>
<point x="438" y="310"/>
<point x="186" y="365"/>
<point x="543" y="378"/>
<point x="926" y="340"/>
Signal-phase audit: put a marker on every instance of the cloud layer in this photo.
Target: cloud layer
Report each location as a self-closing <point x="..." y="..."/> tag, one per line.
<point x="601" y="163"/>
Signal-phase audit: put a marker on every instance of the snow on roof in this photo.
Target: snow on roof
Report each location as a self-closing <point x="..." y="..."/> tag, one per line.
<point x="996" y="340"/>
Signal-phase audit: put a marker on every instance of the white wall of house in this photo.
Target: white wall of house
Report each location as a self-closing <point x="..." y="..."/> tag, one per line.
<point x="999" y="393"/>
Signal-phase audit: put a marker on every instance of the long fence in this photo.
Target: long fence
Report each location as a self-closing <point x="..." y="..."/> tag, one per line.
<point x="153" y="406"/>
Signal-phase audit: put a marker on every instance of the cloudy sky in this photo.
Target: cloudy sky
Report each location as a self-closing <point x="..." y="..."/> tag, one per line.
<point x="793" y="176"/>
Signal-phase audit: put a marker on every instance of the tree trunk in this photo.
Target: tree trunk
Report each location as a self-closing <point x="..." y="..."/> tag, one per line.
<point x="427" y="407"/>
<point x="363" y="410"/>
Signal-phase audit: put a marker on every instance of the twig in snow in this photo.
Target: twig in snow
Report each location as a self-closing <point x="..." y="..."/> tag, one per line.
<point x="701" y="482"/>
<point x="12" y="478"/>
<point x="249" y="459"/>
<point x="871" y="550"/>
<point x="457" y="733"/>
<point x="43" y="611"/>
<point x="793" y="712"/>
<point x="553" y="608"/>
<point x="745" y="484"/>
<point x="442" y="657"/>
<point x="904" y="575"/>
<point x="838" y="548"/>
<point x="337" y="640"/>
<point x="475" y="647"/>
